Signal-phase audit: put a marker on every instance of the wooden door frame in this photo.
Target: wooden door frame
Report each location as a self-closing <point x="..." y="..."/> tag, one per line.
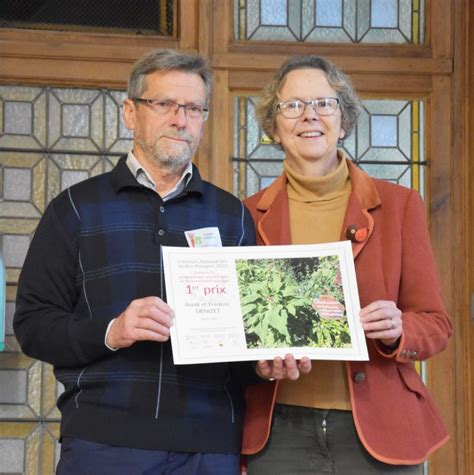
<point x="466" y="172"/>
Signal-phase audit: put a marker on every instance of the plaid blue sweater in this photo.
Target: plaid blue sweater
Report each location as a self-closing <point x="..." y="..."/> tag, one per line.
<point x="96" y="249"/>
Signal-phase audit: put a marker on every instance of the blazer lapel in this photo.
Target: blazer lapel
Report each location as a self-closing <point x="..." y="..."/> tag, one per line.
<point x="274" y="226"/>
<point x="358" y="221"/>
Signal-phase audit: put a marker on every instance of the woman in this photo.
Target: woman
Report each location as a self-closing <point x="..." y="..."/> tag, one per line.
<point x="346" y="418"/>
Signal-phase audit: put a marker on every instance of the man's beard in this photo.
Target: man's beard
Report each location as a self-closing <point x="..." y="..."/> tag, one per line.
<point x="171" y="156"/>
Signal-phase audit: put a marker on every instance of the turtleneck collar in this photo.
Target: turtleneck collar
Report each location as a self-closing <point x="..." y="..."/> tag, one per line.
<point x="318" y="188"/>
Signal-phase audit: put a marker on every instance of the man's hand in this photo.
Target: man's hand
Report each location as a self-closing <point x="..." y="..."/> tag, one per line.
<point x="149" y="318"/>
<point x="288" y="368"/>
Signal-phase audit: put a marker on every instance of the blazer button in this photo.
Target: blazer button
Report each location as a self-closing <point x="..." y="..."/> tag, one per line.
<point x="359" y="377"/>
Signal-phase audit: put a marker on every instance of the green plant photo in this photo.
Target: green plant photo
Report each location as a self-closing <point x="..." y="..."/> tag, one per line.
<point x="293" y="302"/>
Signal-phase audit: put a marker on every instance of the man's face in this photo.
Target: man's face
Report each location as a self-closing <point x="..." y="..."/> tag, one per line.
<point x="167" y="140"/>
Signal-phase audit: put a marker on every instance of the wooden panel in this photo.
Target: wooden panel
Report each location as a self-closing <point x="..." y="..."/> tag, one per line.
<point x="411" y="86"/>
<point x="67" y="71"/>
<point x="350" y="64"/>
<point x="467" y="88"/>
<point x="222" y="21"/>
<point x="463" y="244"/>
<point x="205" y="28"/>
<point x="441" y="378"/>
<point x="440" y="14"/>
<point x="221" y="146"/>
<point x="187" y="14"/>
<point x="358" y="50"/>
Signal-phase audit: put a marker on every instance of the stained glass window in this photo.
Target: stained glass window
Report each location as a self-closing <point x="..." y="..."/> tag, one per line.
<point x="50" y="138"/>
<point x="387" y="143"/>
<point x="335" y="21"/>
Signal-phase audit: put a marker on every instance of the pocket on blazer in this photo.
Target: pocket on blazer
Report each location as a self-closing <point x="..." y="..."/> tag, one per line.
<point x="412" y="380"/>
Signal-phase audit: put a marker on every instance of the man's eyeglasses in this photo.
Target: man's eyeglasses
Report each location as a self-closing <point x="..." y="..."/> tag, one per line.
<point x="322" y="106"/>
<point x="165" y="106"/>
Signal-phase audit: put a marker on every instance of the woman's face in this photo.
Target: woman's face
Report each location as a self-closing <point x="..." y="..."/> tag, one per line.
<point x="310" y="137"/>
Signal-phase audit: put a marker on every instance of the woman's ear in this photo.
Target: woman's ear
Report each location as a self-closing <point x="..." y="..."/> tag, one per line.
<point x="275" y="136"/>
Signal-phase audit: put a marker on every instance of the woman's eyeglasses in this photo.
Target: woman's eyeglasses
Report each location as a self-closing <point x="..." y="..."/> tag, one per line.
<point x="295" y="108"/>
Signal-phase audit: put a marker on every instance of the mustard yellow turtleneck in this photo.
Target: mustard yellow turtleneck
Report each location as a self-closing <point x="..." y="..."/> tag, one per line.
<point x="317" y="208"/>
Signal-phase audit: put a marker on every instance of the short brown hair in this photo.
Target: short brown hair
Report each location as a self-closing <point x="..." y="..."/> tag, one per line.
<point x="167" y="60"/>
<point x="348" y="99"/>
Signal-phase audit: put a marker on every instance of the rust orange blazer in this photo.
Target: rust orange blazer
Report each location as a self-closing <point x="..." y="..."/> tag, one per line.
<point x="394" y="414"/>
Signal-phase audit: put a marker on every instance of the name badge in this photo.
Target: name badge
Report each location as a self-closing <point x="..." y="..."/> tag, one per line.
<point x="204" y="237"/>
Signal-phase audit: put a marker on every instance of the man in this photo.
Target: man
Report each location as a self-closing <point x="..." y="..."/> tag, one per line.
<point x="91" y="294"/>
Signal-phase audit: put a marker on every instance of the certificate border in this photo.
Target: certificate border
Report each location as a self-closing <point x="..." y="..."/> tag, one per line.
<point x="343" y="249"/>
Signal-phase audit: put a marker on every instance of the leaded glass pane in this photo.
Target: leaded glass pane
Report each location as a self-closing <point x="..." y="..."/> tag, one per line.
<point x="14" y="249"/>
<point x="338" y="21"/>
<point x="12" y="386"/>
<point x="20" y="391"/>
<point x="69" y="178"/>
<point x="22" y="117"/>
<point x="12" y="452"/>
<point x="387" y="143"/>
<point x="18" y="118"/>
<point x="75" y="120"/>
<point x="117" y="136"/>
<point x="22" y="183"/>
<point x="384" y="131"/>
<point x="273" y="12"/>
<point x="9" y="311"/>
<point x="28" y="448"/>
<point x="384" y="14"/>
<point x="329" y="13"/>
<point x="17" y="184"/>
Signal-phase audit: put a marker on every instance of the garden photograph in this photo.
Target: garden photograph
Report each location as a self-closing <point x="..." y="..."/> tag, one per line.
<point x="293" y="302"/>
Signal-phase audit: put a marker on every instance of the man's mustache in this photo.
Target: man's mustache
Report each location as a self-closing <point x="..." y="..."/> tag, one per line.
<point x="174" y="134"/>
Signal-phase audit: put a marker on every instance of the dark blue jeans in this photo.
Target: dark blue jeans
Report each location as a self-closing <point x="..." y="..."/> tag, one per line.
<point x="80" y="457"/>
<point x="316" y="441"/>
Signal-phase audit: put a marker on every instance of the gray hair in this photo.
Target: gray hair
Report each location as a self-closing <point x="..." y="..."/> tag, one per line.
<point x="167" y="60"/>
<point x="348" y="100"/>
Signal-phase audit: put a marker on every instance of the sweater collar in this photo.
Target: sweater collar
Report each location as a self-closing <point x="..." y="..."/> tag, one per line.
<point x="308" y="189"/>
<point x="123" y="178"/>
<point x="363" y="187"/>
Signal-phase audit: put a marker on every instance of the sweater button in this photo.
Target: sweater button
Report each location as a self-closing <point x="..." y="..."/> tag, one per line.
<point x="359" y="377"/>
<point x="161" y="232"/>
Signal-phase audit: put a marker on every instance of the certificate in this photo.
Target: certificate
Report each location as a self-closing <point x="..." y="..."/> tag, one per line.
<point x="258" y="302"/>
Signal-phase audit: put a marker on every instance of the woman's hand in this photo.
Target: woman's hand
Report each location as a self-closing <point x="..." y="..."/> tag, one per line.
<point x="287" y="368"/>
<point x="382" y="320"/>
